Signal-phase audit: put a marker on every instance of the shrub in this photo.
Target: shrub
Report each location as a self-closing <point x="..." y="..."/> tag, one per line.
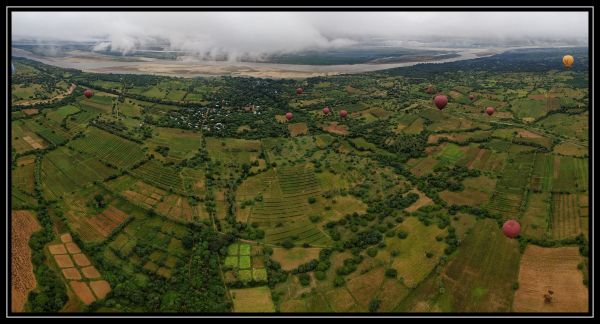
<point x="374" y="305"/>
<point x="304" y="279"/>
<point x="267" y="250"/>
<point x="402" y="234"/>
<point x="312" y="200"/>
<point x="287" y="244"/>
<point x="339" y="281"/>
<point x="391" y="273"/>
<point x="320" y="275"/>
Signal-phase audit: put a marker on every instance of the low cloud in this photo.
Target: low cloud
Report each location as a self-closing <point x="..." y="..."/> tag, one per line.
<point x="236" y="34"/>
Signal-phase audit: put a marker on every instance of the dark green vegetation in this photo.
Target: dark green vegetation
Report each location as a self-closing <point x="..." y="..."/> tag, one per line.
<point x="194" y="195"/>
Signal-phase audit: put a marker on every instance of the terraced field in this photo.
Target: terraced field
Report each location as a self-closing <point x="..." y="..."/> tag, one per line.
<point x="283" y="214"/>
<point x="153" y="172"/>
<point x="480" y="277"/>
<point x="24" y="139"/>
<point x="93" y="228"/>
<point x="565" y="216"/>
<point x="79" y="121"/>
<point x="160" y="241"/>
<point x="536" y="217"/>
<point x="510" y="188"/>
<point x="489" y="161"/>
<point x="64" y="171"/>
<point x="109" y="148"/>
<point x="541" y="176"/>
<point x="49" y="131"/>
<point x="571" y="174"/>
<point x="22" y="177"/>
<point x="182" y="143"/>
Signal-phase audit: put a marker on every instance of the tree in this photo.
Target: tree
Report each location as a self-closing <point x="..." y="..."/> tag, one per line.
<point x="374" y="305"/>
<point x="391" y="273"/>
<point x="304" y="279"/>
<point x="339" y="281"/>
<point x="288" y="244"/>
<point x="99" y="199"/>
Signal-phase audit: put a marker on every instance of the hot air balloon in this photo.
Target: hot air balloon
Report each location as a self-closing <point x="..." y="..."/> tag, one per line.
<point x="88" y="93"/>
<point x="471" y="97"/>
<point x="343" y="113"/>
<point x="440" y="101"/>
<point x="299" y="91"/>
<point x="511" y="228"/>
<point x="326" y="110"/>
<point x="489" y="110"/>
<point x="289" y="115"/>
<point x="568" y="61"/>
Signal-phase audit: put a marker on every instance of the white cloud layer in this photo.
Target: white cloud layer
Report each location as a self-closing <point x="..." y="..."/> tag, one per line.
<point x="260" y="33"/>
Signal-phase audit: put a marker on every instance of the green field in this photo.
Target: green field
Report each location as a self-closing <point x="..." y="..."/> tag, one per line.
<point x="508" y="196"/>
<point x="65" y="171"/>
<point x="110" y="148"/>
<point x="480" y="277"/>
<point x="194" y="194"/>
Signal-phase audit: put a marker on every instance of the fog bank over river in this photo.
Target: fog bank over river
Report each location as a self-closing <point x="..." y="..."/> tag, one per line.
<point x="191" y="67"/>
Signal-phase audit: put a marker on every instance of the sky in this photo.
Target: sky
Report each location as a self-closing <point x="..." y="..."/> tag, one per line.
<point x="260" y="33"/>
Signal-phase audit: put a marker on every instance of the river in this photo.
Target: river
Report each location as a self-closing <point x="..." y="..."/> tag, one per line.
<point x="189" y="67"/>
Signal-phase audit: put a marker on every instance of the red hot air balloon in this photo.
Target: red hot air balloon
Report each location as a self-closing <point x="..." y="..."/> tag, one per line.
<point x="440" y="101"/>
<point x="343" y="113"/>
<point x="87" y="93"/>
<point x="471" y="97"/>
<point x="489" y="110"/>
<point x="511" y="228"/>
<point x="289" y="115"/>
<point x="299" y="91"/>
<point x="326" y="110"/>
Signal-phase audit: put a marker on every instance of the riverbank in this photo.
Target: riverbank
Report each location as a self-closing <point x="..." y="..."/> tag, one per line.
<point x="190" y="67"/>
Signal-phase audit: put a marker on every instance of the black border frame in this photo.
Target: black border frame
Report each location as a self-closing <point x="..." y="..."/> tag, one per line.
<point x="588" y="9"/>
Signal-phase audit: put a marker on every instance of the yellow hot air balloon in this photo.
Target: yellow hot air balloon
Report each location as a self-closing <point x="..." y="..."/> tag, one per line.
<point x="568" y="61"/>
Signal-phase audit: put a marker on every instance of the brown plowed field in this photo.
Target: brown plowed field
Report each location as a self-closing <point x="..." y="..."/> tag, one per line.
<point x="66" y="238"/>
<point x="64" y="261"/>
<point x="81" y="260"/>
<point x="71" y="274"/>
<point x="554" y="269"/>
<point x="82" y="291"/>
<point x="90" y="272"/>
<point x="22" y="278"/>
<point x="72" y="248"/>
<point x="57" y="249"/>
<point x="101" y="288"/>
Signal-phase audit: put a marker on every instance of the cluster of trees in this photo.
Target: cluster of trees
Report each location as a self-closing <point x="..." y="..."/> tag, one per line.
<point x="446" y="178"/>
<point x="197" y="288"/>
<point x="275" y="274"/>
<point x="162" y="150"/>
<point x="115" y="128"/>
<point x="406" y="146"/>
<point x="51" y="293"/>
